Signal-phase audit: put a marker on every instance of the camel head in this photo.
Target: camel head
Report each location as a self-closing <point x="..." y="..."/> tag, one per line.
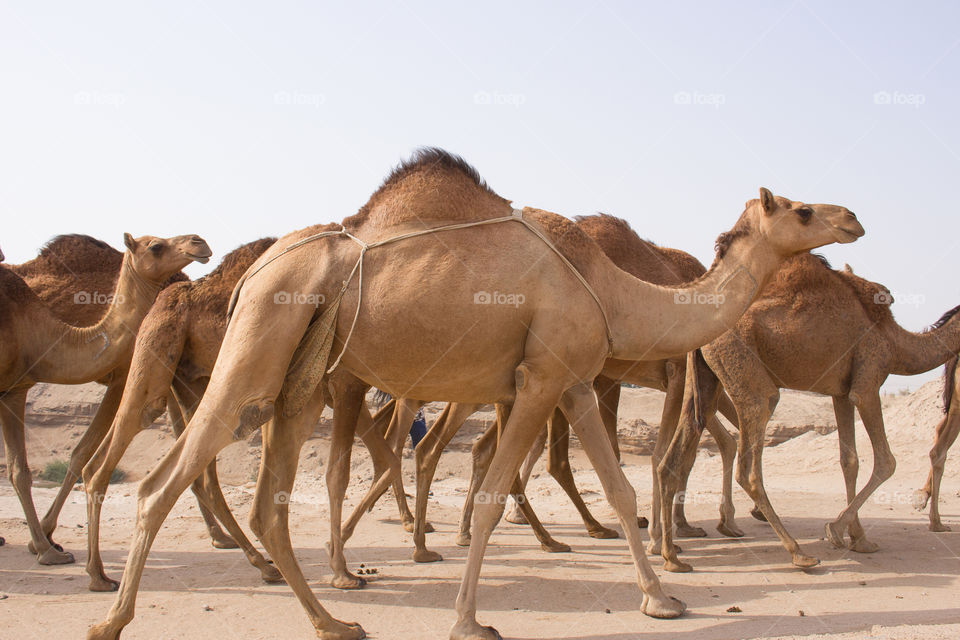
<point x="156" y="259"/>
<point x="792" y="227"/>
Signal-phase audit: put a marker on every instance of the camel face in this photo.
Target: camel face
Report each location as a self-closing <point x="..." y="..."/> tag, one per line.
<point x="157" y="259"/>
<point x="792" y="226"/>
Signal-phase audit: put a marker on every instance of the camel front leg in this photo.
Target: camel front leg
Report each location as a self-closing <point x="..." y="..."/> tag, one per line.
<point x="481" y="454"/>
<point x="558" y="466"/>
<point x="868" y="404"/>
<point x="81" y="454"/>
<point x="727" y="445"/>
<point x="579" y="404"/>
<point x="850" y="465"/>
<point x="947" y="432"/>
<point x="12" y="407"/>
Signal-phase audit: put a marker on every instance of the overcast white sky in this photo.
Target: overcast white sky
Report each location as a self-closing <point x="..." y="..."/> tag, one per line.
<point x="241" y="120"/>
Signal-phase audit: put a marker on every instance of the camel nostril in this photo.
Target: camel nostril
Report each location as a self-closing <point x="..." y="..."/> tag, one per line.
<point x="852" y="214"/>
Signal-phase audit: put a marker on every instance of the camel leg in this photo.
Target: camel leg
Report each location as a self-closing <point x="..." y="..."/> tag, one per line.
<point x="514" y="513"/>
<point x="81" y="454"/>
<point x="669" y="420"/>
<point x="283" y="438"/>
<point x="12" y="407"/>
<point x="207" y="490"/>
<point x="850" y="465"/>
<point x="397" y="432"/>
<point x="481" y="454"/>
<point x="428" y="456"/>
<point x="728" y="453"/>
<point x="947" y="432"/>
<point x="868" y="404"/>
<point x="218" y="538"/>
<point x="558" y="466"/>
<point x="580" y="407"/>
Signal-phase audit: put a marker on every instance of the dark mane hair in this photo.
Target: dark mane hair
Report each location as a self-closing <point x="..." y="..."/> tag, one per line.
<point x="945" y="318"/>
<point x="429" y="158"/>
<point x="69" y="241"/>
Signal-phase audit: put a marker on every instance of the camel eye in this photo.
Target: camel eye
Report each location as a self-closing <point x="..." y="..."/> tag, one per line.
<point x="156" y="249"/>
<point x="805" y="214"/>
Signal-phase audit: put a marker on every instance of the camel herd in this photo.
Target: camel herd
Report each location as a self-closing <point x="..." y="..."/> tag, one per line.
<point x="397" y="297"/>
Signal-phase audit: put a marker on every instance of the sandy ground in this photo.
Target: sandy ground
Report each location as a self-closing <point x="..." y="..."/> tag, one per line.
<point x="909" y="589"/>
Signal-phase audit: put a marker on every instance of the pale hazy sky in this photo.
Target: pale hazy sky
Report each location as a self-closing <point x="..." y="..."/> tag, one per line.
<point x="241" y="120"/>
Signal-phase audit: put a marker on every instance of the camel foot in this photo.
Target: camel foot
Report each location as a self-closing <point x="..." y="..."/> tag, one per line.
<point x="662" y="607"/>
<point x="2" y="541"/>
<point x="730" y="530"/>
<point x="602" y="533"/>
<point x="936" y="527"/>
<point x="409" y="527"/>
<point x="686" y="531"/>
<point x="32" y="548"/>
<point x="342" y="631"/>
<point x="348" y="581"/>
<point x="463" y="540"/>
<point x="653" y="549"/>
<point x="270" y="574"/>
<point x="425" y="555"/>
<point x="103" y="584"/>
<point x="553" y="546"/>
<point x="642" y="522"/>
<point x="103" y="631"/>
<point x="802" y="561"/>
<point x="862" y="545"/>
<point x="472" y="630"/>
<point x="834" y="535"/>
<point x="676" y="566"/>
<point x="756" y="513"/>
<point x="55" y="556"/>
<point x="516" y="516"/>
<point x="920" y="499"/>
<point x="220" y="540"/>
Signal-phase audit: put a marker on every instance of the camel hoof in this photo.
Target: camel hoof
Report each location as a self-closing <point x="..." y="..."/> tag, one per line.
<point x="555" y="547"/>
<point x="55" y="556"/>
<point x="642" y="522"/>
<point x="342" y="631"/>
<point x="32" y="548"/>
<point x="653" y="549"/>
<point x="668" y="607"/>
<point x="2" y="541"/>
<point x="834" y="535"/>
<point x="805" y="562"/>
<point x="756" y="513"/>
<point x="103" y="631"/>
<point x="862" y="545"/>
<point x="410" y="527"/>
<point x="270" y="574"/>
<point x="516" y="517"/>
<point x="602" y="533"/>
<point x="348" y="581"/>
<point x="936" y="527"/>
<point x="472" y="630"/>
<point x="676" y="566"/>
<point x="730" y="530"/>
<point x="920" y="499"/>
<point x="686" y="531"/>
<point x="103" y="584"/>
<point x="425" y="555"/>
<point x="223" y="541"/>
<point x="463" y="540"/>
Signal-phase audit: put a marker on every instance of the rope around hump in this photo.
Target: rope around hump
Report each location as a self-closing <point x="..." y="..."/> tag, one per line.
<point x="366" y="246"/>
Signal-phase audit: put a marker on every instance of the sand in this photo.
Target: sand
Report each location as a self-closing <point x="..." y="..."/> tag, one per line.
<point x="908" y="589"/>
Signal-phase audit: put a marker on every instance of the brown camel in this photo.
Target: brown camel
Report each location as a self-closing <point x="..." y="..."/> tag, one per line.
<point x="38" y="347"/>
<point x="175" y="350"/>
<point x="431" y="328"/>
<point x="74" y="276"/>
<point x="814" y="329"/>
<point x="947" y="431"/>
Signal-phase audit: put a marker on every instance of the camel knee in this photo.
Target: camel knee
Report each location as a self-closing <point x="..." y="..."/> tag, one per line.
<point x="19" y="475"/>
<point x="252" y="416"/>
<point x="850" y="461"/>
<point x="885" y="466"/>
<point x="151" y="411"/>
<point x="486" y="513"/>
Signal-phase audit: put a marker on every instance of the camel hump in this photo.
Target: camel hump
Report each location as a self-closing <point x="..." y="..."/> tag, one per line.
<point x="432" y="187"/>
<point x="77" y="252"/>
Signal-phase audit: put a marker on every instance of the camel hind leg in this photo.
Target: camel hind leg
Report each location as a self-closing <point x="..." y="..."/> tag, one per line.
<point x="947" y="432"/>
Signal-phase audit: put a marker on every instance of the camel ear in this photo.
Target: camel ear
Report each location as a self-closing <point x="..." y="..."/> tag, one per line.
<point x="767" y="201"/>
<point x="848" y="269"/>
<point x="129" y="242"/>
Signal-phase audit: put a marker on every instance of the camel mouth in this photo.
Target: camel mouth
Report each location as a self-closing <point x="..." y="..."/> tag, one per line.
<point x="847" y="235"/>
<point x="202" y="259"/>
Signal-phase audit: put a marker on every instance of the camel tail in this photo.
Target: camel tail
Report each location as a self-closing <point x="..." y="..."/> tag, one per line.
<point x="694" y="361"/>
<point x="309" y="362"/>
<point x="949" y="379"/>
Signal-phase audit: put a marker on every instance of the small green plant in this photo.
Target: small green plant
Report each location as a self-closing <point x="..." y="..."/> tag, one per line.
<point x="56" y="471"/>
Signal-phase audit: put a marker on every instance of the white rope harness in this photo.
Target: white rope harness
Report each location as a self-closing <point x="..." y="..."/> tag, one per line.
<point x="365" y="246"/>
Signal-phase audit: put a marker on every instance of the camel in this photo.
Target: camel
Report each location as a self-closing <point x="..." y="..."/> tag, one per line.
<point x="436" y="312"/>
<point x="947" y="431"/>
<point x="175" y="350"/>
<point x="38" y="347"/>
<point x="73" y="275"/>
<point x="815" y="329"/>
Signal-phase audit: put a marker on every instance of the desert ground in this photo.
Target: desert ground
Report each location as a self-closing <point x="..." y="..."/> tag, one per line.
<point x="740" y="588"/>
